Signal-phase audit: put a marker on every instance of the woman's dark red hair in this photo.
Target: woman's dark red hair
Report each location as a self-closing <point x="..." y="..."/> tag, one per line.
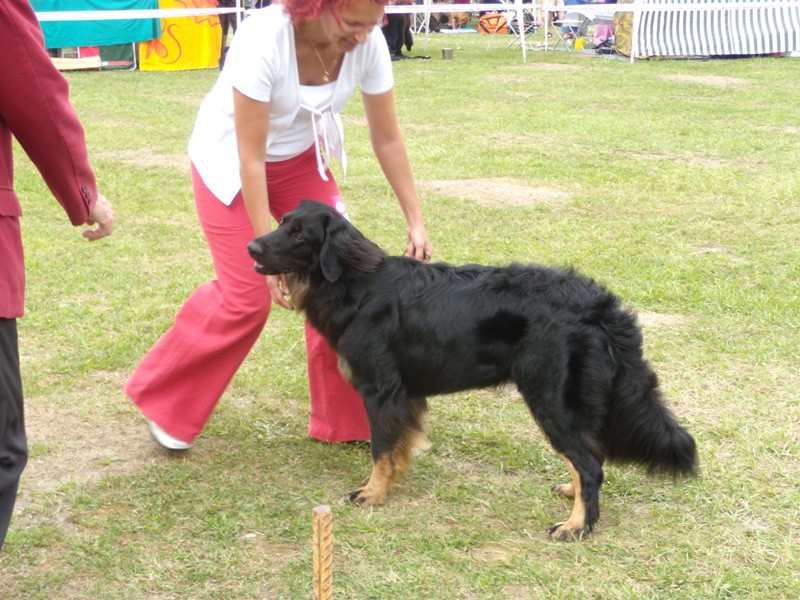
<point x="306" y="10"/>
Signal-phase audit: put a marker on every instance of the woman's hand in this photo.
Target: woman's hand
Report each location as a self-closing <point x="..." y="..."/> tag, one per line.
<point x="419" y="246"/>
<point x="279" y="290"/>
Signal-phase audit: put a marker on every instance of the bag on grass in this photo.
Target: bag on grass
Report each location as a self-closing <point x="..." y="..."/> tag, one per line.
<point x="492" y="23"/>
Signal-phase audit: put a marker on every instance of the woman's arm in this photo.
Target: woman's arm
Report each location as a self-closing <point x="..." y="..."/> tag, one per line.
<point x="251" y="120"/>
<point x="387" y="142"/>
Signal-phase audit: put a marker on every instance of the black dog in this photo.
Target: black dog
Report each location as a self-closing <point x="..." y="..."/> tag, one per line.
<point x="404" y="330"/>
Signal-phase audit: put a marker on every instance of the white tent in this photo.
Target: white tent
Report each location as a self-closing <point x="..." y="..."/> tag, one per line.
<point x="716" y="27"/>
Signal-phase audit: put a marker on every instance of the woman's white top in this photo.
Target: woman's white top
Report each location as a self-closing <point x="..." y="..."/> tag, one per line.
<point x="262" y="64"/>
<point x="314" y="99"/>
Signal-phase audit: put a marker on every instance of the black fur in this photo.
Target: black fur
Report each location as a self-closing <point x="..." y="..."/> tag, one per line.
<point x="409" y="330"/>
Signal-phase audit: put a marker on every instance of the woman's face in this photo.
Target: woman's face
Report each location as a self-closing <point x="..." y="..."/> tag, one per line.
<point x="349" y="25"/>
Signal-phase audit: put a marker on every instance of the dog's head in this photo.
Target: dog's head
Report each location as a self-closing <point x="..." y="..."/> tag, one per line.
<point x="312" y="237"/>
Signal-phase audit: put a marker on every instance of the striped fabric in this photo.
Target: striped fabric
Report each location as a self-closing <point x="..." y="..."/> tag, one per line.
<point x="718" y="32"/>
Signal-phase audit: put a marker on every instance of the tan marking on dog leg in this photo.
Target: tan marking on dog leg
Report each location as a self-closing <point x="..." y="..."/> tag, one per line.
<point x="377" y="488"/>
<point x="389" y="465"/>
<point x="402" y="454"/>
<point x="411" y="442"/>
<point x="567" y="490"/>
<point x="419" y="437"/>
<point x="574" y="527"/>
<point x="345" y="370"/>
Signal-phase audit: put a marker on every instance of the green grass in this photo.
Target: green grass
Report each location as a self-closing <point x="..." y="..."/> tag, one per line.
<point x="680" y="187"/>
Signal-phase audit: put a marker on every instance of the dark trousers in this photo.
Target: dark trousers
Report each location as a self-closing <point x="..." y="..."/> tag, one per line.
<point x="13" y="447"/>
<point x="397" y="32"/>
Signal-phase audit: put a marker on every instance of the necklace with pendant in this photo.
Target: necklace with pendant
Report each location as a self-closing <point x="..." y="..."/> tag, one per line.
<point x="327" y="76"/>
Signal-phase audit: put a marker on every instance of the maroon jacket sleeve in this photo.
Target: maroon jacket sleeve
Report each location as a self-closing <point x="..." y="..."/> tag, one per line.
<point x="34" y="105"/>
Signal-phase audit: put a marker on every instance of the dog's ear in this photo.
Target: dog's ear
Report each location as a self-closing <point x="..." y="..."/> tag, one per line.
<point x="345" y="251"/>
<point x="328" y="257"/>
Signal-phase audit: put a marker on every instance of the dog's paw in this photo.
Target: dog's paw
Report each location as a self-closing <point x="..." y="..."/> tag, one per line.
<point x="567" y="490"/>
<point x="365" y="497"/>
<point x="564" y="533"/>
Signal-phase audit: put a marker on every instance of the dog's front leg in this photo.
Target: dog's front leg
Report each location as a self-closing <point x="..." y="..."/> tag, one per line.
<point x="396" y="428"/>
<point x="396" y="419"/>
<point x="384" y="411"/>
<point x="377" y="486"/>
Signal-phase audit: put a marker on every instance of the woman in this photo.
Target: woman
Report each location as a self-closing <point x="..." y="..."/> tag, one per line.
<point x="290" y="69"/>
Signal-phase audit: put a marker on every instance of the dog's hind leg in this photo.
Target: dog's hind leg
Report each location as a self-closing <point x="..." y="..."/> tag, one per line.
<point x="566" y="490"/>
<point x="577" y="524"/>
<point x="396" y="429"/>
<point x="587" y="477"/>
<point x="544" y="396"/>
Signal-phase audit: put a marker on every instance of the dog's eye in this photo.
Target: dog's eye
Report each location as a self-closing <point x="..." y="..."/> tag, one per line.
<point x="298" y="237"/>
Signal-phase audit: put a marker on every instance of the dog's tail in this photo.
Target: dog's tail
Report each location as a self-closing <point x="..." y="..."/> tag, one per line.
<point x="639" y="428"/>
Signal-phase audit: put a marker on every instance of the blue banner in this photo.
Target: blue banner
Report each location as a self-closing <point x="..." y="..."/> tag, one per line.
<point x="67" y="34"/>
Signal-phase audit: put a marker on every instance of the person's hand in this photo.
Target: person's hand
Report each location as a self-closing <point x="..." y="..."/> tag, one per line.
<point x="103" y="216"/>
<point x="419" y="246"/>
<point x="279" y="289"/>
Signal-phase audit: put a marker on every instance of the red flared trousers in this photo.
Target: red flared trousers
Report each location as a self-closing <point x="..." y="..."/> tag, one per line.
<point x="179" y="382"/>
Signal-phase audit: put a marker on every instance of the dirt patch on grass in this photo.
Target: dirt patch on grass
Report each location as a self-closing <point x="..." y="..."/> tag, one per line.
<point x="496" y="192"/>
<point x="712" y="80"/>
<point x="518" y="592"/>
<point x="493" y="554"/>
<point x="83" y="440"/>
<point x="77" y="449"/>
<point x="652" y="319"/>
<point x="145" y="159"/>
<point x="710" y="249"/>
<point x="540" y="67"/>
<point x="788" y="129"/>
<point x="716" y="249"/>
<point x="693" y="159"/>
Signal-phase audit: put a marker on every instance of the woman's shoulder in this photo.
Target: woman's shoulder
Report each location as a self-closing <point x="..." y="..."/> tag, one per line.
<point x="265" y="33"/>
<point x="269" y="21"/>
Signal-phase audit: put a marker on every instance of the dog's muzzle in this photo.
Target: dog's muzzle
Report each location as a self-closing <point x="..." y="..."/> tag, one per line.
<point x="257" y="253"/>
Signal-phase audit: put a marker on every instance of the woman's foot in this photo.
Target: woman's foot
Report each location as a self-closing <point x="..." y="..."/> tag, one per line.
<point x="165" y="440"/>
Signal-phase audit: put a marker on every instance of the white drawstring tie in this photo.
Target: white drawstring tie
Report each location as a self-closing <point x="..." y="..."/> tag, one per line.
<point x="327" y="127"/>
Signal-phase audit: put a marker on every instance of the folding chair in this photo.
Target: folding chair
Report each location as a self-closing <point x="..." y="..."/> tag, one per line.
<point x="574" y="25"/>
<point x="420" y="23"/>
<point x="529" y="27"/>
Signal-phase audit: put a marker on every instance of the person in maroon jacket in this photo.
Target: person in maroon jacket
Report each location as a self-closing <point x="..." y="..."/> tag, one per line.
<point x="35" y="109"/>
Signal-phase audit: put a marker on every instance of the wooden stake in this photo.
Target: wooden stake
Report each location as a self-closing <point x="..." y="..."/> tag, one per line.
<point x="323" y="553"/>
